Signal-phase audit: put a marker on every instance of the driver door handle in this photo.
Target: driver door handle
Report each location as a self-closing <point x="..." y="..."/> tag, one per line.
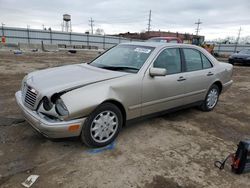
<point x="210" y="74"/>
<point x="181" y="78"/>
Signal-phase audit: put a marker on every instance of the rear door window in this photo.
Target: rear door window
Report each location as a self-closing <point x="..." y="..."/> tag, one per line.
<point x="193" y="59"/>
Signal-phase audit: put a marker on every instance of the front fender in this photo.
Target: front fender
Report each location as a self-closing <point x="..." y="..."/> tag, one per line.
<point x="82" y="101"/>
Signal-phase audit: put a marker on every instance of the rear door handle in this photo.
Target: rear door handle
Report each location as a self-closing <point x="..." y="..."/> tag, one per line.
<point x="181" y="78"/>
<point x="210" y="74"/>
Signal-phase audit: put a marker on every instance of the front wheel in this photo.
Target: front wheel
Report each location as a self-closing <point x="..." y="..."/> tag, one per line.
<point x="211" y="98"/>
<point x="102" y="126"/>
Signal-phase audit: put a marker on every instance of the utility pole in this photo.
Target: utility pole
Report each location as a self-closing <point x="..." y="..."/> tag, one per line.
<point x="149" y="21"/>
<point x="3" y="29"/>
<point x="237" y="40"/>
<point x="28" y="33"/>
<point x="198" y="27"/>
<point x="91" y="25"/>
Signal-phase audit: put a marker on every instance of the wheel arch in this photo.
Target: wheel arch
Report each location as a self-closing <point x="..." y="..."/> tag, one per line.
<point x="219" y="84"/>
<point x="121" y="107"/>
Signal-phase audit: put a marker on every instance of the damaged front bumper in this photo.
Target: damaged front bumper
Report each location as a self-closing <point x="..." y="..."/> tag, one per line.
<point x="47" y="127"/>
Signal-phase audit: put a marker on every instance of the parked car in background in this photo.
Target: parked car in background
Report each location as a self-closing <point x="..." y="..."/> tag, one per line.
<point x="131" y="80"/>
<point x="242" y="57"/>
<point x="165" y="39"/>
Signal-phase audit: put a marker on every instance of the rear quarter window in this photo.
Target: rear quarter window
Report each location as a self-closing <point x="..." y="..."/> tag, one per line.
<point x="206" y="63"/>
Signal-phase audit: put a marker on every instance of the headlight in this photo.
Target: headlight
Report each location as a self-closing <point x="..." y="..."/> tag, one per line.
<point x="47" y="105"/>
<point x="61" y="109"/>
<point x="23" y="82"/>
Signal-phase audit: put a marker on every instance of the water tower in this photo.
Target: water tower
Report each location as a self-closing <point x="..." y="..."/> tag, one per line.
<point x="66" y="26"/>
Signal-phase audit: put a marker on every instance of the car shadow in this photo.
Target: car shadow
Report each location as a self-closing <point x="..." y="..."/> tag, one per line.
<point x="169" y="116"/>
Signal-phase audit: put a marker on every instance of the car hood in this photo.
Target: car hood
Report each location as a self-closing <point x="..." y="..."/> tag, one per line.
<point x="65" y="78"/>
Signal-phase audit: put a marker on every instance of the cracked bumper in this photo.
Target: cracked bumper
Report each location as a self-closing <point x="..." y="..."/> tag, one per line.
<point x="51" y="129"/>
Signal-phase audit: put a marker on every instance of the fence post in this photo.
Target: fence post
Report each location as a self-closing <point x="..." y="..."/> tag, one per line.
<point x="2" y="30"/>
<point x="70" y="38"/>
<point x="104" y="41"/>
<point x="219" y="48"/>
<point x="28" y="35"/>
<point x="51" y="37"/>
<point x="87" y="41"/>
<point x="235" y="47"/>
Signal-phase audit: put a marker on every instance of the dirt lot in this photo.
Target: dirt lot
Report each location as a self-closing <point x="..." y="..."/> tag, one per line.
<point x="175" y="150"/>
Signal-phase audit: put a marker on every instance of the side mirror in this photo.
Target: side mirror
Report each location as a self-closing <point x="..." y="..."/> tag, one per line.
<point x="157" y="72"/>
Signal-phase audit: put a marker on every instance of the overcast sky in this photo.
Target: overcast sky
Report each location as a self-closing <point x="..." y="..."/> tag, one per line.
<point x="220" y="18"/>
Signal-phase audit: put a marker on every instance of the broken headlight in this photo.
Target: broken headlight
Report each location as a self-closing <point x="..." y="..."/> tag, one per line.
<point x="47" y="105"/>
<point x="61" y="109"/>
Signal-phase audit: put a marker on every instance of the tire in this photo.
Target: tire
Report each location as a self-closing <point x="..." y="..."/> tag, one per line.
<point x="231" y="62"/>
<point x="102" y="126"/>
<point x="213" y="93"/>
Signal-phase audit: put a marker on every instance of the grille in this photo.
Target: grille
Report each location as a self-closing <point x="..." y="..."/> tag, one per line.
<point x="30" y="96"/>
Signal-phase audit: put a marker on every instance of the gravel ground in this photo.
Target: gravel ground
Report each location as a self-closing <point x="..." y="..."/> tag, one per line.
<point x="174" y="150"/>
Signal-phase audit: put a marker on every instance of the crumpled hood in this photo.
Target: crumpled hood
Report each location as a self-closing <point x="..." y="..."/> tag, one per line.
<point x="50" y="81"/>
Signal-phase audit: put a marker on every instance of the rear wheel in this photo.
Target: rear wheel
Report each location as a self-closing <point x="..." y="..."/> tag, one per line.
<point x="211" y="98"/>
<point x="102" y="126"/>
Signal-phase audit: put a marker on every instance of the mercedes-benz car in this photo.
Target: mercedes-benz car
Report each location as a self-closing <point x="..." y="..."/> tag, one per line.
<point x="131" y="80"/>
<point x="242" y="57"/>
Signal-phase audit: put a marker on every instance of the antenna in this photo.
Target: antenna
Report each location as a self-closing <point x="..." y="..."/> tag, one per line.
<point x="91" y="25"/>
<point x="198" y="27"/>
<point x="149" y="21"/>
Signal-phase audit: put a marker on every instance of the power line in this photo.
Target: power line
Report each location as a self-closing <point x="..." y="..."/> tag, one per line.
<point x="198" y="27"/>
<point x="91" y="25"/>
<point x="149" y="21"/>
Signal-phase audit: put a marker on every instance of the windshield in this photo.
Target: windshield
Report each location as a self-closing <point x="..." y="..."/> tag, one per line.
<point x="129" y="58"/>
<point x="246" y="51"/>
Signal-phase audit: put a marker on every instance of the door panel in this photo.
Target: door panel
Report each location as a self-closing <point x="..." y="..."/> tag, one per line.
<point x="199" y="75"/>
<point x="164" y="92"/>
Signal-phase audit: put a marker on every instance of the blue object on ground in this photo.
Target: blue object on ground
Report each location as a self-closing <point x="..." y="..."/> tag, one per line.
<point x="17" y="52"/>
<point x="99" y="150"/>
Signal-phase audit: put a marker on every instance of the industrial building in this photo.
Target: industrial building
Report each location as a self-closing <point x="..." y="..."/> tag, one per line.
<point x="185" y="37"/>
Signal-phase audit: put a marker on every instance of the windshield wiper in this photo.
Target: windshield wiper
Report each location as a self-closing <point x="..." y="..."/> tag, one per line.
<point x="119" y="67"/>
